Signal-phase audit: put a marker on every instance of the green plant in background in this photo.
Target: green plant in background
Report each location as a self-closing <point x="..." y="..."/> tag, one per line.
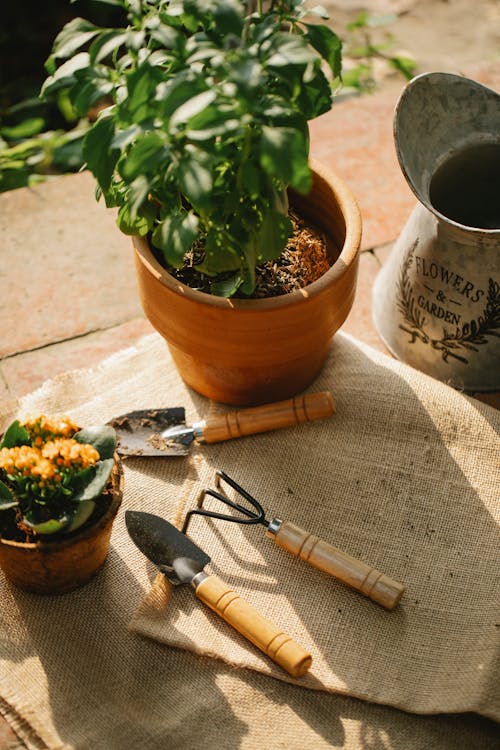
<point x="52" y="474"/>
<point x="207" y="123"/>
<point x="362" y="50"/>
<point x="29" y="152"/>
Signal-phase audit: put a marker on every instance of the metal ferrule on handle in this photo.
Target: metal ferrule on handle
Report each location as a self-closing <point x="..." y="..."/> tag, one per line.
<point x="279" y="646"/>
<point x="293" y="411"/>
<point x="355" y="573"/>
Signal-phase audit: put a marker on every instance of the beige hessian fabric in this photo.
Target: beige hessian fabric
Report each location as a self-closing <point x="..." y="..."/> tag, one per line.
<point x="405" y="476"/>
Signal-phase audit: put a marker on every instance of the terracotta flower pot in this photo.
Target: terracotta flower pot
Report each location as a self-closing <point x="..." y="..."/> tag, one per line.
<point x="253" y="351"/>
<point x="60" y="565"/>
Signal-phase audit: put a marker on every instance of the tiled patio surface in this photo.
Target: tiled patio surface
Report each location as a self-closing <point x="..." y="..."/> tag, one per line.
<point x="69" y="296"/>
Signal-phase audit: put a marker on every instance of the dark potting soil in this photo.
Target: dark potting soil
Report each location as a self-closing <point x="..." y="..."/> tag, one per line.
<point x="304" y="260"/>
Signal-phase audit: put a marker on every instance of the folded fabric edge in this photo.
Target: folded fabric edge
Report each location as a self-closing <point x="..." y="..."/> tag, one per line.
<point x="24" y="729"/>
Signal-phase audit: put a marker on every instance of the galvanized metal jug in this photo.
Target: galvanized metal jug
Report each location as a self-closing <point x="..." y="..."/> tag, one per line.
<point x="436" y="302"/>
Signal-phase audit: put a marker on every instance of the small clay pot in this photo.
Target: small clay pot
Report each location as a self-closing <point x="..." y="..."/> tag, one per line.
<point x="56" y="566"/>
<point x="247" y="352"/>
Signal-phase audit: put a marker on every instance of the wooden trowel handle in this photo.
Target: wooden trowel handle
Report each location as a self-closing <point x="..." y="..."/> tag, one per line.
<point x="235" y="424"/>
<point x="249" y="622"/>
<point x="355" y="573"/>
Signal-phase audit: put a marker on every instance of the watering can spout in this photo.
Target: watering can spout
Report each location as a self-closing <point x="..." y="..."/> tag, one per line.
<point x="436" y="302"/>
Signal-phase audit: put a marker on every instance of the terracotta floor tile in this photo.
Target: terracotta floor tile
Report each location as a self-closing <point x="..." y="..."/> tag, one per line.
<point x="66" y="268"/>
<point x="26" y="372"/>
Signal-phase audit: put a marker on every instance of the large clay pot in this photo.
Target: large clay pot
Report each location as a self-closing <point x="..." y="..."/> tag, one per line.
<point x="248" y="352"/>
<point x="59" y="565"/>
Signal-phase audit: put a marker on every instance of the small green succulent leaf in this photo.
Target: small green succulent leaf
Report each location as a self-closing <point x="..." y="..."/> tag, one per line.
<point x="102" y="472"/>
<point x="15" y="435"/>
<point x="7" y="499"/>
<point x="52" y="526"/>
<point x="83" y="512"/>
<point x="102" y="438"/>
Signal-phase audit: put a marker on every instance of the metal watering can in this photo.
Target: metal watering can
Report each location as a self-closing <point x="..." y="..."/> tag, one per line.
<point x="436" y="301"/>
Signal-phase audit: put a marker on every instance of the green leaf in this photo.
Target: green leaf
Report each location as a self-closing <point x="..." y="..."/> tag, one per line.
<point x="26" y="129"/>
<point x="88" y="94"/>
<point x="74" y="35"/>
<point x="141" y="86"/>
<point x="53" y="526"/>
<point x="101" y="158"/>
<point x="145" y="156"/>
<point x="290" y="50"/>
<point x="177" y="91"/>
<point x="175" y="235"/>
<point x="226" y="287"/>
<point x="65" y="75"/>
<point x="273" y="235"/>
<point x="137" y="194"/>
<point x="192" y="107"/>
<point x="405" y="65"/>
<point x="228" y="17"/>
<point x="250" y="179"/>
<point x="283" y="154"/>
<point x="15" y="435"/>
<point x="95" y="487"/>
<point x="84" y="510"/>
<point x="195" y="180"/>
<point x="107" y="43"/>
<point x="315" y="97"/>
<point x="328" y="44"/>
<point x="101" y="437"/>
<point x="139" y="224"/>
<point x="7" y="499"/>
<point x="319" y="10"/>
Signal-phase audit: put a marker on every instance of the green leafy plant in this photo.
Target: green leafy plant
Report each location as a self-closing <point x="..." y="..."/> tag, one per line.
<point x="52" y="474"/>
<point x="30" y="149"/>
<point x="362" y="49"/>
<point x="207" y="123"/>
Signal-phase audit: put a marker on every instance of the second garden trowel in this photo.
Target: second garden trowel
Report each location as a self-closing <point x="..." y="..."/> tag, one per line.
<point x="163" y="432"/>
<point x="182" y="561"/>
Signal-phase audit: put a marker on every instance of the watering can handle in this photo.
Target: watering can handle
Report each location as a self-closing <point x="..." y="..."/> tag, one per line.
<point x="264" y="634"/>
<point x="235" y="424"/>
<point x="367" y="580"/>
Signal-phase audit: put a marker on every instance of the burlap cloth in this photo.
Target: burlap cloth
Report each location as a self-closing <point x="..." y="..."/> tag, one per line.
<point x="405" y="476"/>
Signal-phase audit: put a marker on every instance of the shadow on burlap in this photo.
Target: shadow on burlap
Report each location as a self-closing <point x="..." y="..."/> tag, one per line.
<point x="405" y="477"/>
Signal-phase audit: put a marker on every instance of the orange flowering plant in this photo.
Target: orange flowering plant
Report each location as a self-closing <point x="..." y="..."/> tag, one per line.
<point x="52" y="472"/>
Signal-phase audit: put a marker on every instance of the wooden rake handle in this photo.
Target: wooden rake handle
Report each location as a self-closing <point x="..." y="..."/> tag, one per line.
<point x="280" y="647"/>
<point x="355" y="573"/>
<point x="235" y="424"/>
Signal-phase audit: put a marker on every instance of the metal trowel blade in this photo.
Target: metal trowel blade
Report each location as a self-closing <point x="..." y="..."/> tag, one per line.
<point x="138" y="433"/>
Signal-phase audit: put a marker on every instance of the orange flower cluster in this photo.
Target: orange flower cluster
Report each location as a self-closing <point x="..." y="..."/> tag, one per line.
<point x="47" y="465"/>
<point x="42" y="428"/>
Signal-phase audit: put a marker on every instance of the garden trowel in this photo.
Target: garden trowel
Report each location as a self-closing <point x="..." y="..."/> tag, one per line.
<point x="163" y="432"/>
<point x="182" y="561"/>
